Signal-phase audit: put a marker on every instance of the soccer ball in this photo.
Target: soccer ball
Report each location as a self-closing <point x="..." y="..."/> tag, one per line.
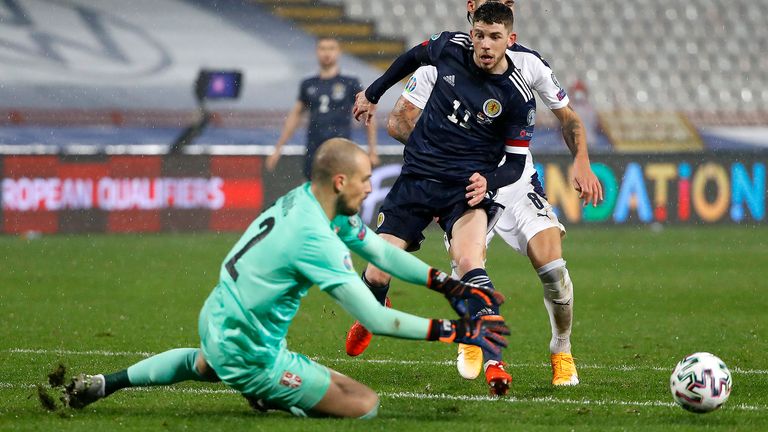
<point x="701" y="383"/>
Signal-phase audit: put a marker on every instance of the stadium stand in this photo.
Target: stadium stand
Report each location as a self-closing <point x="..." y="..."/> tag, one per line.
<point x="652" y="54"/>
<point x="79" y="73"/>
<point x="357" y="36"/>
<point x="116" y="73"/>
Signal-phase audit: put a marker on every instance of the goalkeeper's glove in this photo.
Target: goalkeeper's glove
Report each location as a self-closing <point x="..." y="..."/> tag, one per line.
<point x="487" y="332"/>
<point x="457" y="291"/>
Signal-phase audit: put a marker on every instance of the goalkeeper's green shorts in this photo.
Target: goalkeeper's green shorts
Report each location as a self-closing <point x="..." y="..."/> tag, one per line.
<point x="277" y="375"/>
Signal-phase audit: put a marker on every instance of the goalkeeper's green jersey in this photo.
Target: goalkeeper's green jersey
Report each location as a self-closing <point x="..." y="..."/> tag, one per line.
<point x="289" y="248"/>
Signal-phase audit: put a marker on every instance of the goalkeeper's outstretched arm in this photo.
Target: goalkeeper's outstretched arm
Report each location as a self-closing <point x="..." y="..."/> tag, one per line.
<point x="408" y="268"/>
<point x="356" y="299"/>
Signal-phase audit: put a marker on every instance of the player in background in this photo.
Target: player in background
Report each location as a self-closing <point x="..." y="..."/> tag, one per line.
<point x="528" y="224"/>
<point x="301" y="240"/>
<point x="328" y="96"/>
<point x="474" y="114"/>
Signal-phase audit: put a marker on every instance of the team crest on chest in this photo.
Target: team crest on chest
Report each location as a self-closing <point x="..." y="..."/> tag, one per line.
<point x="338" y="91"/>
<point x="492" y="108"/>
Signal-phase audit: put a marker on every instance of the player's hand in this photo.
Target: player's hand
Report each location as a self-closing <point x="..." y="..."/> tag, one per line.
<point x="487" y="332"/>
<point x="457" y="292"/>
<point x="363" y="110"/>
<point x="476" y="190"/>
<point x="271" y="161"/>
<point x="586" y="183"/>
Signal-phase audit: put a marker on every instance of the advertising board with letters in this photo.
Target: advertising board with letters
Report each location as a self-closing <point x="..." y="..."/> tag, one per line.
<point x="151" y="193"/>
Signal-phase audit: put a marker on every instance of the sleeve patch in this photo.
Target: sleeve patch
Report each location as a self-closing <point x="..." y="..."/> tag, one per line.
<point x="361" y="233"/>
<point x="411" y="85"/>
<point x="348" y="262"/>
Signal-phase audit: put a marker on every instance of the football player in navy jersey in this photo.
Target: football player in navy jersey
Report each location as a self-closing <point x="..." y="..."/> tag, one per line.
<point x="476" y="116"/>
<point x="528" y="224"/>
<point x="328" y="97"/>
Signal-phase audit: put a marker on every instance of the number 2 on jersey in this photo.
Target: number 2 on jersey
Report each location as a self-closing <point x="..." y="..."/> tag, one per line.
<point x="325" y="102"/>
<point x="266" y="226"/>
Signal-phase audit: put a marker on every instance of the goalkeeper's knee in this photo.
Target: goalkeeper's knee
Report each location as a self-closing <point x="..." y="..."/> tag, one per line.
<point x="558" y="287"/>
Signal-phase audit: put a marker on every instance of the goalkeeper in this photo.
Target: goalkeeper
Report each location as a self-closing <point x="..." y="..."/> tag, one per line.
<point x="302" y="239"/>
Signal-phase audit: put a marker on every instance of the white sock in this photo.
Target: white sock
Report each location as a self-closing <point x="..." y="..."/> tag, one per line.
<point x="558" y="299"/>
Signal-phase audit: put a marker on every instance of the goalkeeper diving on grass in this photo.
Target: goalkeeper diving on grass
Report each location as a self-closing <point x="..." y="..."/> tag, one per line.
<point x="303" y="239"/>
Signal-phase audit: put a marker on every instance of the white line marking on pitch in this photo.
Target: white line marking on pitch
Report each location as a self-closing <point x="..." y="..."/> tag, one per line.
<point x="620" y="368"/>
<point x="437" y="396"/>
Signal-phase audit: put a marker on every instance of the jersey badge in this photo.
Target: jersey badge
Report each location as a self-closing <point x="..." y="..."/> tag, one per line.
<point x="411" y="85"/>
<point x="348" y="262"/>
<point x="311" y="90"/>
<point x="561" y="94"/>
<point x="290" y="380"/>
<point x="482" y="119"/>
<point x="554" y="80"/>
<point x="531" y="117"/>
<point x="361" y="233"/>
<point x="450" y="79"/>
<point x="380" y="220"/>
<point x="492" y="108"/>
<point x="434" y="36"/>
<point x="338" y="91"/>
<point x="353" y="222"/>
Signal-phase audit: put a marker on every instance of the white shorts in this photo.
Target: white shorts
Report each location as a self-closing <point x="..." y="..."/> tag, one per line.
<point x="526" y="211"/>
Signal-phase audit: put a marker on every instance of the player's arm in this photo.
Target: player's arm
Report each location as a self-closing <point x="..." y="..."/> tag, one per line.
<point x="373" y="152"/>
<point x="574" y="134"/>
<point x="356" y="299"/>
<point x="543" y="80"/>
<point x="505" y="174"/>
<point x="371" y="129"/>
<point x="510" y="171"/>
<point x="291" y="123"/>
<point x="403" y="66"/>
<point x="408" y="268"/>
<point x="425" y="53"/>
<point x="402" y="120"/>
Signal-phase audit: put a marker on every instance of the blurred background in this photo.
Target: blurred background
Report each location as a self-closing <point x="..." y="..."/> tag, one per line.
<point x="108" y="124"/>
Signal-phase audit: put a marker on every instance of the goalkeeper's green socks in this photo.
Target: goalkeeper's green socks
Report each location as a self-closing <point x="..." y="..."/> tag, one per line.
<point x="166" y="368"/>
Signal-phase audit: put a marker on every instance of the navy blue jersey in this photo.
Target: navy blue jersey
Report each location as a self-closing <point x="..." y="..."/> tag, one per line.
<point x="470" y="117"/>
<point x="329" y="102"/>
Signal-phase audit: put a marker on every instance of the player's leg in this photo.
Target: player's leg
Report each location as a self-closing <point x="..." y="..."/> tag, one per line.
<point x="376" y="279"/>
<point x="468" y="246"/>
<point x="347" y="398"/>
<point x="358" y="337"/>
<point x="301" y="386"/>
<point x="545" y="253"/>
<point x="170" y="367"/>
<point x="529" y="226"/>
<point x="402" y="218"/>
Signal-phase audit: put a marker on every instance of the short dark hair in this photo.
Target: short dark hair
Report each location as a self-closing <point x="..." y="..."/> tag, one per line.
<point x="326" y="38"/>
<point x="495" y="13"/>
<point x="469" y="14"/>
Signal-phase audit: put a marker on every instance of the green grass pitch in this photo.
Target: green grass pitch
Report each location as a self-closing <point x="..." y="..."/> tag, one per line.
<point x="643" y="300"/>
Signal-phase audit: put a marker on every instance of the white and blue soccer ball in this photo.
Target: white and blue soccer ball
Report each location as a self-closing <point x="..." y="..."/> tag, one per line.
<point x="701" y="382"/>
